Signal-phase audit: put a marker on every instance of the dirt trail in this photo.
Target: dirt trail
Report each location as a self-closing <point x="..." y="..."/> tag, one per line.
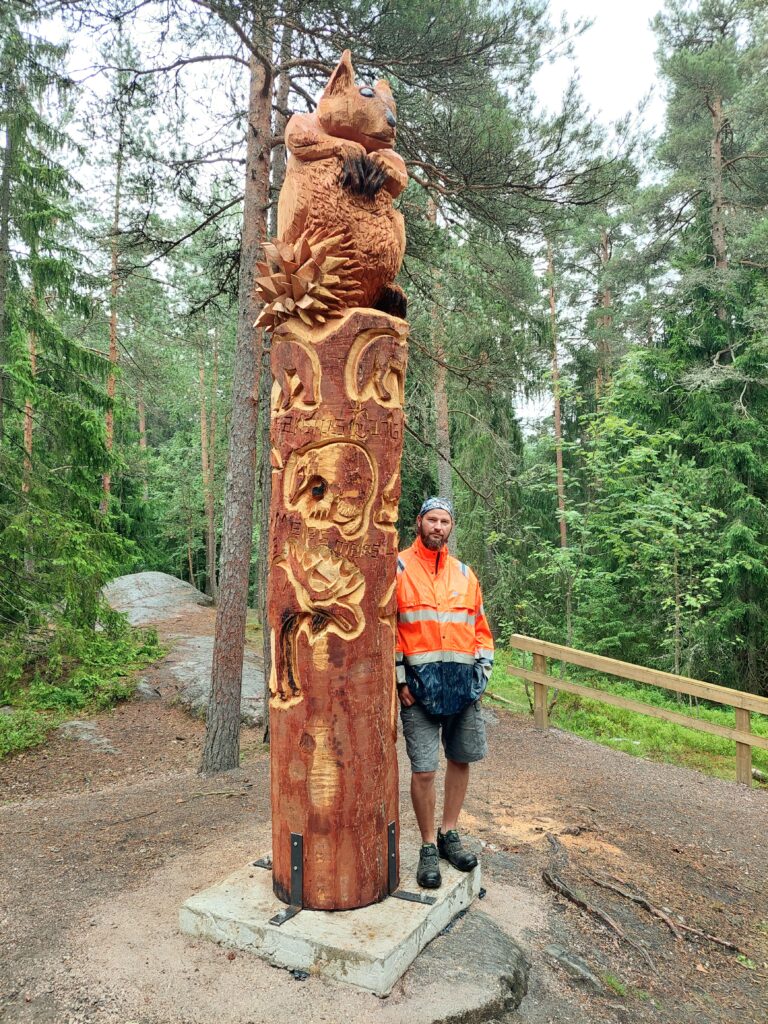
<point x="99" y="849"/>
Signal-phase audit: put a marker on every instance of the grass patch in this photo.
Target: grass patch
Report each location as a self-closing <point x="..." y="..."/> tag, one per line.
<point x="630" y="731"/>
<point x="81" y="671"/>
<point x="614" y="983"/>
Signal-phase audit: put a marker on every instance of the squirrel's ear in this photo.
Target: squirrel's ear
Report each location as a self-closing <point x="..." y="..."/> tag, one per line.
<point x="343" y="76"/>
<point x="383" y="86"/>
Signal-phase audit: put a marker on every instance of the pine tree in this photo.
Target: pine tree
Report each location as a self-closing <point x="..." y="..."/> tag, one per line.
<point x="55" y="557"/>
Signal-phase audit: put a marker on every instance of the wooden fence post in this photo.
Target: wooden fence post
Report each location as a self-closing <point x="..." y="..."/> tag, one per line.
<point x="743" y="750"/>
<point x="540" y="717"/>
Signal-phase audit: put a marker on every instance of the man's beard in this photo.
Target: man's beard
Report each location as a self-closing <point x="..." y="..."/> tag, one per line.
<point x="432" y="543"/>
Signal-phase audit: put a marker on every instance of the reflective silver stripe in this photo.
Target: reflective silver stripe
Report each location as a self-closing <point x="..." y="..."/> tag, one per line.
<point x="482" y="610"/>
<point x="430" y="615"/>
<point x="431" y="656"/>
<point x="401" y="565"/>
<point x="398" y="657"/>
<point x="484" y="652"/>
<point x="464" y="570"/>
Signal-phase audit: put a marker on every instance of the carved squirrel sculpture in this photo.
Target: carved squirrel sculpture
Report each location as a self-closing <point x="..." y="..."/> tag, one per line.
<point x="341" y="177"/>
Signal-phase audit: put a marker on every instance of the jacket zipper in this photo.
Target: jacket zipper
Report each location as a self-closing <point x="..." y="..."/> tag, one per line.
<point x="437" y="562"/>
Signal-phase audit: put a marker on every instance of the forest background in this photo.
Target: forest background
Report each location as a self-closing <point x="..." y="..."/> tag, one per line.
<point x="615" y="275"/>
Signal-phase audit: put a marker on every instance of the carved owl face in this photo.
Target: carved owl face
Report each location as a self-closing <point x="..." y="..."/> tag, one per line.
<point x="331" y="485"/>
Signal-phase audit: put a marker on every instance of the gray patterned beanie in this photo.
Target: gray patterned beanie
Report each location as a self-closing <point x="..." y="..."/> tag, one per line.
<point x="441" y="503"/>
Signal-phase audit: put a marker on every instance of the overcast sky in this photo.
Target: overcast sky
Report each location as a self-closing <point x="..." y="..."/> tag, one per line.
<point x="617" y="70"/>
<point x="614" y="58"/>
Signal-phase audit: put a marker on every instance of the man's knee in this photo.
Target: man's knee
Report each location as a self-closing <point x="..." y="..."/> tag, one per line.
<point x="461" y="766"/>
<point x="423" y="779"/>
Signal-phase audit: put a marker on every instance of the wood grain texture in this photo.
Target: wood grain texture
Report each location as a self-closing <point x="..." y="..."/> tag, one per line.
<point x="337" y="435"/>
<point x="340" y="241"/>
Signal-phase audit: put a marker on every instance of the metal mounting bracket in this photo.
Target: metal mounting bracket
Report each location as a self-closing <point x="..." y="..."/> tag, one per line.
<point x="414" y="897"/>
<point x="297" y="882"/>
<point x="391" y="858"/>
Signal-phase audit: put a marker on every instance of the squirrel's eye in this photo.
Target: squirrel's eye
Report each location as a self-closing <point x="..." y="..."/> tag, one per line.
<point x="367" y="91"/>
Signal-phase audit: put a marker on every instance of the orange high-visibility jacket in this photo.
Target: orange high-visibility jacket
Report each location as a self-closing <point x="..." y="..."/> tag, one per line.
<point x="444" y="644"/>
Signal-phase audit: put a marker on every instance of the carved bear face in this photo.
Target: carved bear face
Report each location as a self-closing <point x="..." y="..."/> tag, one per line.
<point x="331" y="485"/>
<point x="362" y="113"/>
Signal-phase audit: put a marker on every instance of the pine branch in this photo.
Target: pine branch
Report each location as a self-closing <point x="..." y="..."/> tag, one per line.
<point x="459" y="474"/>
<point x="182" y="62"/>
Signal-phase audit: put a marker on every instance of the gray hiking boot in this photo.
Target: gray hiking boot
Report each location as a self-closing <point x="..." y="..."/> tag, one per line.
<point x="428" y="871"/>
<point x="450" y="848"/>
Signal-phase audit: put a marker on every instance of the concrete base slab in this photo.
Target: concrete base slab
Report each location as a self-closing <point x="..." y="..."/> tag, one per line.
<point x="370" y="948"/>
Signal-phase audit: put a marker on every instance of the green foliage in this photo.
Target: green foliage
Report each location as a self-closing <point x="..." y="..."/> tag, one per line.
<point x="81" y="670"/>
<point x="661" y="316"/>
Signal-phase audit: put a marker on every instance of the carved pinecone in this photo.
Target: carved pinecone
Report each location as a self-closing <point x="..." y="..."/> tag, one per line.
<point x="313" y="278"/>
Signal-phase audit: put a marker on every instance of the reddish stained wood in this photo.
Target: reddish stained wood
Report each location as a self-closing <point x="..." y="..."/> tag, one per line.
<point x="337" y="435"/>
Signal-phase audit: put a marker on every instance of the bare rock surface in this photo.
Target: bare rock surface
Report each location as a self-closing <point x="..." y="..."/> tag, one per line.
<point x="151" y="597"/>
<point x="184" y="618"/>
<point x="190" y="665"/>
<point x="86" y="732"/>
<point x="574" y="966"/>
<point x="477" y="968"/>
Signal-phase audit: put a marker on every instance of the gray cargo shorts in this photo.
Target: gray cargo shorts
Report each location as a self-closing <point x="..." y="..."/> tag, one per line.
<point x="463" y="736"/>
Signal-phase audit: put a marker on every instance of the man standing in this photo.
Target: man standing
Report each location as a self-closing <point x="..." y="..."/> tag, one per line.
<point x="443" y="661"/>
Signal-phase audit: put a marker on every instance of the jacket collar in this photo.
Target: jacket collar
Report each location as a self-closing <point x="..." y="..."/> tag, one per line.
<point x="430" y="560"/>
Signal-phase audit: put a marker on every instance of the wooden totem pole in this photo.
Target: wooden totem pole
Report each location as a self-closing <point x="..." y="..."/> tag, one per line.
<point x="339" y="352"/>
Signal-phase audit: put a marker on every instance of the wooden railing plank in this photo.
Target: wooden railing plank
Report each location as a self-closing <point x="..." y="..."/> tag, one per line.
<point x="641" y="674"/>
<point x="739" y="736"/>
<point x="540" y="715"/>
<point x="743" y="750"/>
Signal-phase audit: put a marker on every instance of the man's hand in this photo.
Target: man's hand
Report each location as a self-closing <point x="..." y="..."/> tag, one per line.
<point x="406" y="697"/>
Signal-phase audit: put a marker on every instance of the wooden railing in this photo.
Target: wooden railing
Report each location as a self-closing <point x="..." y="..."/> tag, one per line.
<point x="742" y="703"/>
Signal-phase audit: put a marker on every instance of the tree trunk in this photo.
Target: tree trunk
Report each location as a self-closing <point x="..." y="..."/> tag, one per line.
<point x="279" y="161"/>
<point x="143" y="445"/>
<point x="556" y="403"/>
<point x="604" y="322"/>
<point x="5" y="259"/>
<point x="29" y="416"/>
<point x="716" y="193"/>
<point x="190" y="566"/>
<point x="442" y="420"/>
<point x="222" y="734"/>
<point x="558" y="437"/>
<point x="211" y="545"/>
<point x="442" y="427"/>
<point x="114" y="279"/>
<point x="332" y="609"/>
<point x="210" y="525"/>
